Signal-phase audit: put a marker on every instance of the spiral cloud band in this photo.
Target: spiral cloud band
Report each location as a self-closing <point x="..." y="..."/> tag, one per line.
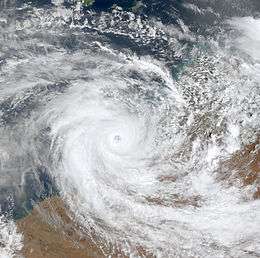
<point x="132" y="123"/>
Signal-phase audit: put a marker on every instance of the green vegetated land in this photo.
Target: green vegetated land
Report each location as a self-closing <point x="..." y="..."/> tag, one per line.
<point x="87" y="2"/>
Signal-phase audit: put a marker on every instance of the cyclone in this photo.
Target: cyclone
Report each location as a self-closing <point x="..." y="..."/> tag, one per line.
<point x="135" y="122"/>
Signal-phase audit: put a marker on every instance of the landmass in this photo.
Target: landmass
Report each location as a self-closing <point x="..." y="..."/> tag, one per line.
<point x="50" y="232"/>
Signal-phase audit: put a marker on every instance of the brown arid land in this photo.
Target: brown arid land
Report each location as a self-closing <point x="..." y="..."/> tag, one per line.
<point x="244" y="167"/>
<point x="49" y="232"/>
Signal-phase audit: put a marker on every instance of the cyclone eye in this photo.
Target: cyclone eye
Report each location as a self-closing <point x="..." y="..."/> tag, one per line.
<point x="117" y="138"/>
